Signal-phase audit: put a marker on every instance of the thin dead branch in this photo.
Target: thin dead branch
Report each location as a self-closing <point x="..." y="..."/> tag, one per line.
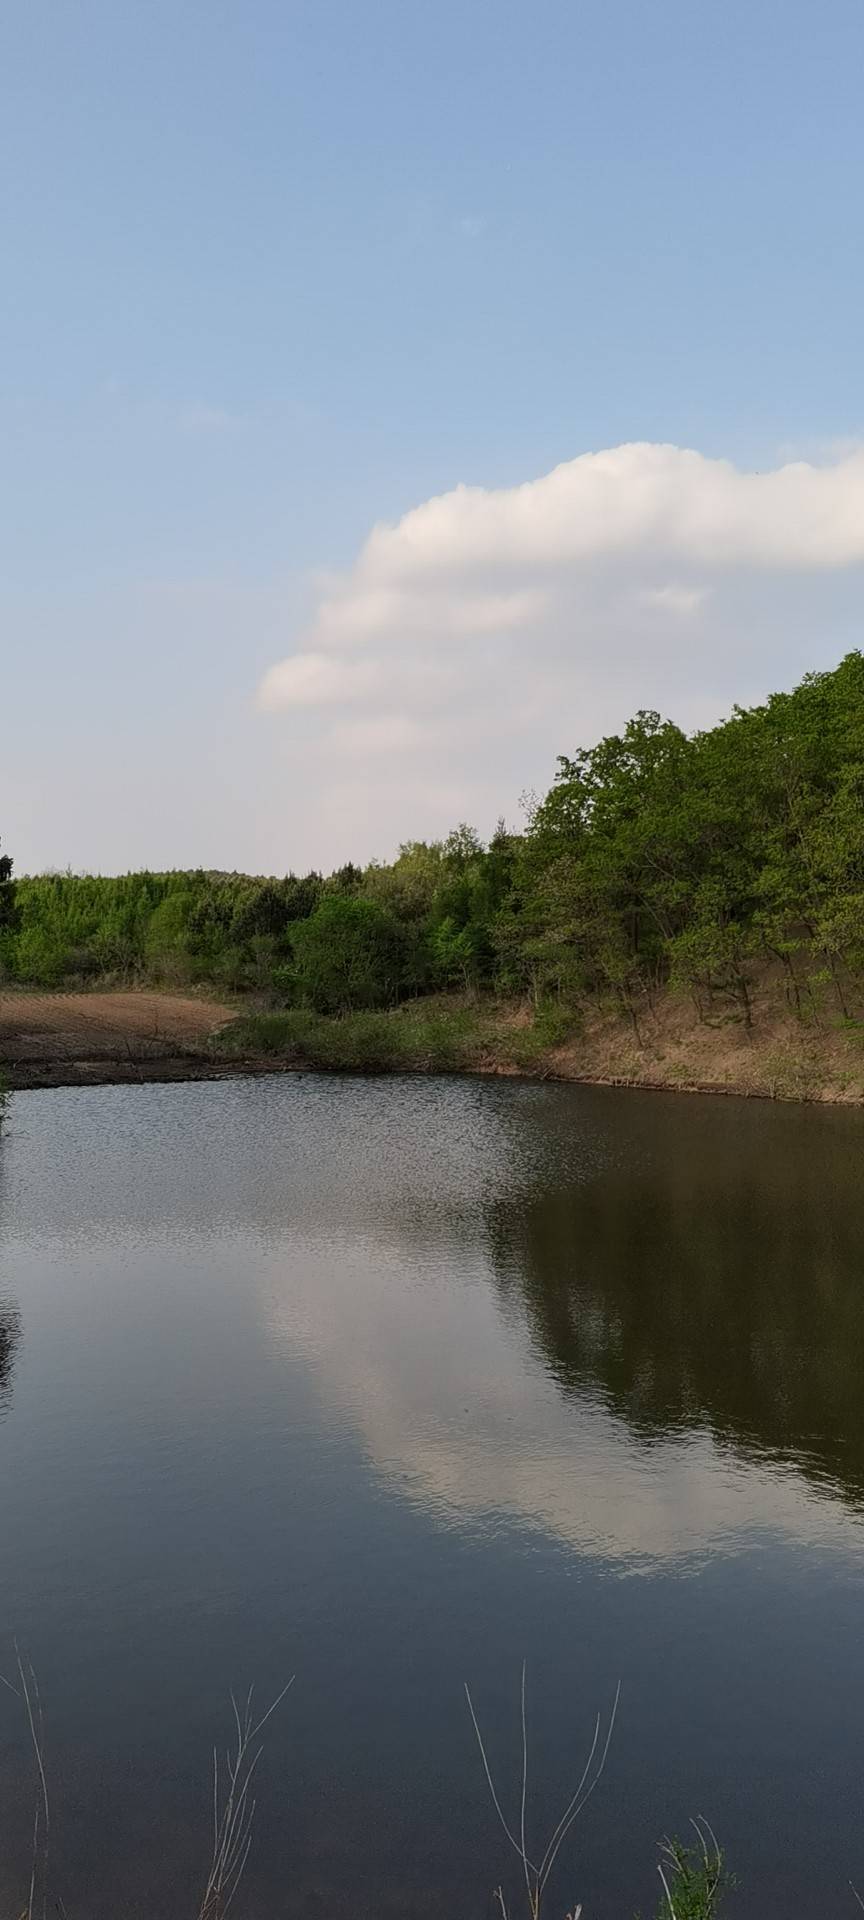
<point x="537" y="1877"/>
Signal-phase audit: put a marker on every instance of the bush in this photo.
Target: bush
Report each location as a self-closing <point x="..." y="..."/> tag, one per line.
<point x="422" y="1037"/>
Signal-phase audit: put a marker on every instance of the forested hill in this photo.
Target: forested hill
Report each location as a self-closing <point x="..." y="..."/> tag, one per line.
<point x="656" y="857"/>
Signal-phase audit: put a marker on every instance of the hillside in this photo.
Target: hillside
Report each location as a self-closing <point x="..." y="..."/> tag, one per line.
<point x="681" y="908"/>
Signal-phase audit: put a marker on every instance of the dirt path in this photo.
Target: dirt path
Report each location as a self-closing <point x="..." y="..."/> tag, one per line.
<point x="47" y="1039"/>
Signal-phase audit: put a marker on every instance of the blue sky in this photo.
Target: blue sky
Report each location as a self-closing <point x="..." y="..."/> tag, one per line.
<point x="276" y="273"/>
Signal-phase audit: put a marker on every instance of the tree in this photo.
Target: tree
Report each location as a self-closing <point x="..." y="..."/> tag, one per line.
<point x="352" y="953"/>
<point x="7" y="890"/>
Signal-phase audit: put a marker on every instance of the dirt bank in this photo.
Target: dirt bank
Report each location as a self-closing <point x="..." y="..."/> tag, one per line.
<point x="70" y="1039"/>
<point x="815" y="1054"/>
<point x="779" y="1056"/>
<point x="73" y="1039"/>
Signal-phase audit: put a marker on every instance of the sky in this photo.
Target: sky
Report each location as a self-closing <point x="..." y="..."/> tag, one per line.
<point x="395" y="396"/>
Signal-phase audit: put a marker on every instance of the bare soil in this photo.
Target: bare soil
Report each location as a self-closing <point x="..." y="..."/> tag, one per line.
<point x="61" y="1039"/>
<point x="779" y="1056"/>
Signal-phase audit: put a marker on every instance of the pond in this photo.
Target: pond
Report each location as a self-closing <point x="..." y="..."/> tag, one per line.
<point x="390" y="1385"/>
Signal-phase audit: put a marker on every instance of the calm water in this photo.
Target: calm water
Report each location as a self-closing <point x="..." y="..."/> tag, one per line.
<point x="388" y="1384"/>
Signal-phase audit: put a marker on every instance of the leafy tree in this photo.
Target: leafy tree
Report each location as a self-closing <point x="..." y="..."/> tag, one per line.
<point x="408" y="887"/>
<point x="655" y="857"/>
<point x="352" y="953"/>
<point x="7" y="914"/>
<point x="5" y="885"/>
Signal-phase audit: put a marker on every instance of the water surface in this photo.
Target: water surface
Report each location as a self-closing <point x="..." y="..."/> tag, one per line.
<point x="392" y="1384"/>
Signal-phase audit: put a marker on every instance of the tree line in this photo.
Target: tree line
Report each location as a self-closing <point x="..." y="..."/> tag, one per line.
<point x="657" y="857"/>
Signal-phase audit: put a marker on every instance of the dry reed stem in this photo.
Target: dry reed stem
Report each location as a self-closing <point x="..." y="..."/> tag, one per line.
<point x="537" y="1877"/>
<point x="232" y="1820"/>
<point x="29" y="1693"/>
<point x="232" y="1824"/>
<point x="666" y="1891"/>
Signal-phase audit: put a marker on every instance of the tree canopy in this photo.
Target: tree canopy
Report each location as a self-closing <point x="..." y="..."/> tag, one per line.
<point x="7" y="889"/>
<point x="655" y="858"/>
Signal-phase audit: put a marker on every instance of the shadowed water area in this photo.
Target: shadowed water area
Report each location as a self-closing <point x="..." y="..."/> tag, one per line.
<point x="389" y="1384"/>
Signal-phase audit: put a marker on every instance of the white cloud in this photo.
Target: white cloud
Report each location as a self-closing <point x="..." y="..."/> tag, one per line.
<point x="478" y="1430"/>
<point x="493" y="629"/>
<point x="634" y="500"/>
<point x="433" y="680"/>
<point x="319" y="680"/>
<point x="475" y="562"/>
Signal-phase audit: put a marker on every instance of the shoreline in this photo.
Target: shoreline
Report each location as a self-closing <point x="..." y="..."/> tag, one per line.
<point x="135" y="1036"/>
<point x="34" y="1076"/>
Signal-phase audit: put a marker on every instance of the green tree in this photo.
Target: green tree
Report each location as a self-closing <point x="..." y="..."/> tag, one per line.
<point x="6" y="894"/>
<point x="352" y="953"/>
<point x="7" y="915"/>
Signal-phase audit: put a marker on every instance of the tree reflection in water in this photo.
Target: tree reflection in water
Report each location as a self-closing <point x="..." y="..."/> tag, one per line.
<point x="691" y="1284"/>
<point x="10" y="1334"/>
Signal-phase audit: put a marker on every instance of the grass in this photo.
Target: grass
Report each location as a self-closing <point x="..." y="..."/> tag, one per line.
<point x="694" y="1878"/>
<point x="438" y="1035"/>
<point x="368" y="1042"/>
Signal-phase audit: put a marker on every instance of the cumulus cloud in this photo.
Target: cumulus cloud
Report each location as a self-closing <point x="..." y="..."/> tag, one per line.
<point x="497" y="627"/>
<point x="319" y="680"/>
<point x="567" y="1469"/>
<point x="640" y="499"/>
